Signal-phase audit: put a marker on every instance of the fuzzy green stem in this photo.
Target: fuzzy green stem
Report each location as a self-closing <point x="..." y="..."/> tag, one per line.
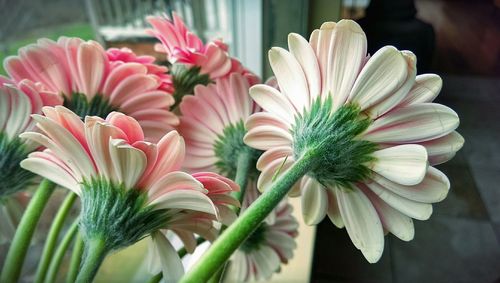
<point x="76" y="259"/>
<point x="61" y="251"/>
<point x="95" y="252"/>
<point x="55" y="230"/>
<point x="19" y="247"/>
<point x="237" y="233"/>
<point x="157" y="278"/>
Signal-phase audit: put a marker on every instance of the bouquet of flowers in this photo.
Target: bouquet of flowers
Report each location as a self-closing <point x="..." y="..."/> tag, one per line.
<point x="203" y="150"/>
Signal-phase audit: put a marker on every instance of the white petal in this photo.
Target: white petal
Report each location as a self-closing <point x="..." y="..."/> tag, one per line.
<point x="411" y="124"/>
<point x="362" y="223"/>
<point x="443" y="147"/>
<point x="425" y="89"/>
<point x="185" y="199"/>
<point x="394" y="221"/>
<point x="129" y="163"/>
<point x="403" y="164"/>
<point x="267" y="137"/>
<point x="304" y="54"/>
<point x="314" y="201"/>
<point x="173" y="181"/>
<point x="345" y="59"/>
<point x="267" y="262"/>
<point x="433" y="188"/>
<point x="273" y="154"/>
<point x="395" y="98"/>
<point x="384" y="73"/>
<point x="171" y="264"/>
<point x="271" y="100"/>
<point x="290" y="76"/>
<point x="51" y="171"/>
<point x="333" y="208"/>
<point x="322" y="43"/>
<point x="413" y="209"/>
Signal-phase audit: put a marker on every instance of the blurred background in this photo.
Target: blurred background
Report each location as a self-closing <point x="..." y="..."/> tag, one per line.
<point x="457" y="39"/>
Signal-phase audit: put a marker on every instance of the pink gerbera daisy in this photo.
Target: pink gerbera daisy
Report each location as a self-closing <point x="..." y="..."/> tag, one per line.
<point x="367" y="127"/>
<point x="17" y="103"/>
<point x="129" y="188"/>
<point x="182" y="46"/>
<point x="92" y="84"/>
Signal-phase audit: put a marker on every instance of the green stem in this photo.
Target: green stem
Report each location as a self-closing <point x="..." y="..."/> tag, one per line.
<point x="181" y="252"/>
<point x="245" y="160"/>
<point x="61" y="251"/>
<point x="95" y="252"/>
<point x="19" y="247"/>
<point x="236" y="234"/>
<point x="76" y="259"/>
<point x="55" y="230"/>
<point x="242" y="170"/>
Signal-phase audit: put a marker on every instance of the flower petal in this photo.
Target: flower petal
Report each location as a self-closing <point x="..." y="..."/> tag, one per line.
<point x="362" y="223"/>
<point x="411" y="124"/>
<point x="314" y="201"/>
<point x="403" y="164"/>
<point x="425" y="89"/>
<point x="384" y="73"/>
<point x="304" y="54"/>
<point x="171" y="263"/>
<point x="290" y="76"/>
<point x="271" y="100"/>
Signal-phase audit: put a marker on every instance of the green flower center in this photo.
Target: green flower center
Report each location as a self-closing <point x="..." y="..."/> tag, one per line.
<point x="185" y="79"/>
<point x="13" y="178"/>
<point x="117" y="214"/>
<point x="97" y="106"/>
<point x="228" y="148"/>
<point x="333" y="136"/>
<point x="255" y="240"/>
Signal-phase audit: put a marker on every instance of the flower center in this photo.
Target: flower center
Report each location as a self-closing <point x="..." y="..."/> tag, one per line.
<point x="13" y="178"/>
<point x="333" y="137"/>
<point x="185" y="79"/>
<point x="97" y="106"/>
<point x="119" y="215"/>
<point x="255" y="240"/>
<point x="228" y="148"/>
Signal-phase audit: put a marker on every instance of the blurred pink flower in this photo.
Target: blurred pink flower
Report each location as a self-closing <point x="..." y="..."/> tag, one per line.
<point x="183" y="46"/>
<point x="375" y="123"/>
<point x="92" y="84"/>
<point x="111" y="154"/>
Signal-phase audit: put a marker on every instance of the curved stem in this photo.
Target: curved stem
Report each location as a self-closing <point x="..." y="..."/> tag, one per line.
<point x="61" y="251"/>
<point x="19" y="247"/>
<point x="236" y="234"/>
<point x="76" y="259"/>
<point x="55" y="229"/>
<point x="95" y="252"/>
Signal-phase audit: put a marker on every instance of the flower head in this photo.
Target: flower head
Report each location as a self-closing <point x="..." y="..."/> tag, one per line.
<point x="371" y="126"/>
<point x="17" y="103"/>
<point x="213" y="125"/>
<point x="129" y="188"/>
<point x="93" y="84"/>
<point x="182" y="46"/>
<point x="266" y="249"/>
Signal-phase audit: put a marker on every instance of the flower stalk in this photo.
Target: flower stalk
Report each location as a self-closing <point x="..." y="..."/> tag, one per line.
<point x="236" y="234"/>
<point x="19" y="247"/>
<point x="95" y="252"/>
<point x="55" y="230"/>
<point x="76" y="259"/>
<point x="61" y="251"/>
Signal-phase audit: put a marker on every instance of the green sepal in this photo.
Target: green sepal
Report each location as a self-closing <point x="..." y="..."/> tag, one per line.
<point x="333" y="136"/>
<point x="229" y="145"/>
<point x="119" y="215"/>
<point x="13" y="178"/>
<point x="185" y="79"/>
<point x="97" y="106"/>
